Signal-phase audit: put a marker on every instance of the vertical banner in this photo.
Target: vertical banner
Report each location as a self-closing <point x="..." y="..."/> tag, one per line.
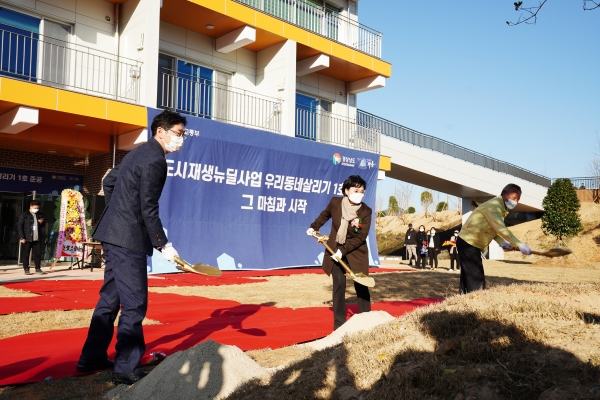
<point x="241" y="198"/>
<point x="72" y="231"/>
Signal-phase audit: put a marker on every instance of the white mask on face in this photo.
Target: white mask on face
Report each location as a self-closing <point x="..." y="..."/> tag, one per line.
<point x="433" y="232"/>
<point x="510" y="204"/>
<point x="456" y="234"/>
<point x="356" y="198"/>
<point x="421" y="230"/>
<point x="35" y="210"/>
<point x="174" y="145"/>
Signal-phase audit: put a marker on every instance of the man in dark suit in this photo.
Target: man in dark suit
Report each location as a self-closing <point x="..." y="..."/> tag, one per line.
<point x="30" y="234"/>
<point x="129" y="229"/>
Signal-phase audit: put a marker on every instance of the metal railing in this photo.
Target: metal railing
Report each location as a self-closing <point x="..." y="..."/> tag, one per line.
<point x="208" y="99"/>
<point x="413" y="137"/>
<point x="68" y="66"/>
<point x="591" y="182"/>
<point x="334" y="129"/>
<point x="323" y="21"/>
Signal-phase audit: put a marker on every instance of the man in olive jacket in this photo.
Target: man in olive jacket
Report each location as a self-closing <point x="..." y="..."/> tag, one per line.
<point x="30" y="234"/>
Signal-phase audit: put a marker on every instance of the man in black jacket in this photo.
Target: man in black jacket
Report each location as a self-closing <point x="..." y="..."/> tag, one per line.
<point x="30" y="235"/>
<point x="410" y="241"/>
<point x="129" y="229"/>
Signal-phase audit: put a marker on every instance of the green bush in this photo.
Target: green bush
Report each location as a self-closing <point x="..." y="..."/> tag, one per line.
<point x="411" y="210"/>
<point x="441" y="206"/>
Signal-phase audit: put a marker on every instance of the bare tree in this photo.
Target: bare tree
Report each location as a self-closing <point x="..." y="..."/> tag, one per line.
<point x="435" y="197"/>
<point x="378" y="210"/>
<point x="403" y="193"/>
<point x="529" y="14"/>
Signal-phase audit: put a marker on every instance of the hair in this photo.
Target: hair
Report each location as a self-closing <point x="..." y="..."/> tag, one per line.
<point x="166" y="120"/>
<point x="511" y="187"/>
<point x="410" y="225"/>
<point x="353" y="181"/>
<point x="424" y="229"/>
<point x="34" y="203"/>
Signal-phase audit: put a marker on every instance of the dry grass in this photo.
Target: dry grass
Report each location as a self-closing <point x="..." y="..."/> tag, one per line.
<point x="521" y="341"/>
<point x="42" y="321"/>
<point x="6" y="292"/>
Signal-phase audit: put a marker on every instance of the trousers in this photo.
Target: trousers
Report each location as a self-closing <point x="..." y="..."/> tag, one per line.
<point x="125" y="287"/>
<point x="472" y="276"/>
<point x="411" y="251"/>
<point x="339" y="296"/>
<point x="35" y="249"/>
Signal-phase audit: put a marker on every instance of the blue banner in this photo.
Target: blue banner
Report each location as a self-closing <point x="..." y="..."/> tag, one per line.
<point x="241" y="198"/>
<point x="24" y="180"/>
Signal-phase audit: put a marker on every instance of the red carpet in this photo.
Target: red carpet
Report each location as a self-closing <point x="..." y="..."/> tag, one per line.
<point x="184" y="322"/>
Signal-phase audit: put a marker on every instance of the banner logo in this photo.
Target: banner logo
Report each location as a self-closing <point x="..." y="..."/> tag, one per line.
<point x="337" y="159"/>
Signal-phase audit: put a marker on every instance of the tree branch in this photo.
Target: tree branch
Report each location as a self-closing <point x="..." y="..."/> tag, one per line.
<point x="531" y="11"/>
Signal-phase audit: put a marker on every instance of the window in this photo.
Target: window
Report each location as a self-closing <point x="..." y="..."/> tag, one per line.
<point x="28" y="41"/>
<point x="313" y="118"/>
<point x="185" y="87"/>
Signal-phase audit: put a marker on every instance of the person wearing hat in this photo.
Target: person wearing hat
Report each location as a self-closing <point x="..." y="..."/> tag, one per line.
<point x="410" y="241"/>
<point x="454" y="253"/>
<point x="486" y="223"/>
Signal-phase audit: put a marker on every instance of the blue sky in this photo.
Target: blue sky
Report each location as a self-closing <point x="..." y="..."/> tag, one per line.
<point x="528" y="94"/>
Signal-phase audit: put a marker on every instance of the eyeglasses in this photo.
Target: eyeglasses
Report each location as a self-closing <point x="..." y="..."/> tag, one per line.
<point x="177" y="133"/>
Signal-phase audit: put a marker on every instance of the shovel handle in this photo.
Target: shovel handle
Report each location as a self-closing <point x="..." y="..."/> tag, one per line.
<point x="330" y="250"/>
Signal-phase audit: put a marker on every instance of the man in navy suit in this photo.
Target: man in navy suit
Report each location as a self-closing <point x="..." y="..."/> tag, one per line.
<point x="129" y="229"/>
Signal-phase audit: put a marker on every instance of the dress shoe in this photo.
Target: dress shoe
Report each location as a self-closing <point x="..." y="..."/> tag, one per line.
<point x="86" y="366"/>
<point x="27" y="272"/>
<point x="39" y="271"/>
<point x="130" y="378"/>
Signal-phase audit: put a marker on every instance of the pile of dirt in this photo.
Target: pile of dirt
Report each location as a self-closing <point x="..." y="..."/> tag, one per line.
<point x="517" y="341"/>
<point x="208" y="370"/>
<point x="585" y="246"/>
<point x="357" y="323"/>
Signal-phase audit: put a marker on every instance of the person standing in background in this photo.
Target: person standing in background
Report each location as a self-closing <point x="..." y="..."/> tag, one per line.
<point x="421" y="237"/>
<point x="454" y="253"/>
<point x="410" y="241"/>
<point x="433" y="248"/>
<point x="29" y="225"/>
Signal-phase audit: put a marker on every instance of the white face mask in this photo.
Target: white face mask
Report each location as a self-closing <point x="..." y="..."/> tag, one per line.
<point x="356" y="198"/>
<point x="422" y="230"/>
<point x="510" y="204"/>
<point x="456" y="234"/>
<point x="174" y="145"/>
<point x="433" y="232"/>
<point x="35" y="210"/>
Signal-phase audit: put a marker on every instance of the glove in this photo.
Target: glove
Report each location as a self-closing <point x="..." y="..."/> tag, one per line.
<point x="337" y="256"/>
<point x="169" y="253"/>
<point x="310" y="232"/>
<point x="506" y="245"/>
<point x="524" y="249"/>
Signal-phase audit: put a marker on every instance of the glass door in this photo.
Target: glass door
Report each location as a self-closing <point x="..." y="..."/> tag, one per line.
<point x="306" y="116"/>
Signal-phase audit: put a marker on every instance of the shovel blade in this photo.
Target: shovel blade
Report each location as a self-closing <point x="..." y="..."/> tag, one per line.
<point x="198" y="268"/>
<point x="363" y="280"/>
<point x="558" y="252"/>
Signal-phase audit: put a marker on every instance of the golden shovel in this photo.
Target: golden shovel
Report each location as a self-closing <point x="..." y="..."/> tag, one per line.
<point x="198" y="268"/>
<point x="359" y="277"/>
<point x="556" y="252"/>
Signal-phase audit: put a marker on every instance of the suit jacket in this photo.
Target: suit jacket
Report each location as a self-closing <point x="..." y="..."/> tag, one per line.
<point x="436" y="242"/>
<point x="131" y="190"/>
<point x="25" y="225"/>
<point x="355" y="249"/>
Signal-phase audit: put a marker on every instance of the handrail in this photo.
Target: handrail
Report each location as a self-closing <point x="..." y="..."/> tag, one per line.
<point x="322" y="21"/>
<point x="413" y="137"/>
<point x="207" y="99"/>
<point x="70" y="66"/>
<point x="589" y="182"/>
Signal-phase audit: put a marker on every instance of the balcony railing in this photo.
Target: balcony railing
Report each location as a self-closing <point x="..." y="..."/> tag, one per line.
<point x="413" y="137"/>
<point x="592" y="182"/>
<point x="334" y="129"/>
<point x="207" y="99"/>
<point x="68" y="66"/>
<point x="323" y="21"/>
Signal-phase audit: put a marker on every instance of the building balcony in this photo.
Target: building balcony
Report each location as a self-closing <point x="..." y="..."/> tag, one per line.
<point x="324" y="21"/>
<point x="32" y="57"/>
<point x="200" y="97"/>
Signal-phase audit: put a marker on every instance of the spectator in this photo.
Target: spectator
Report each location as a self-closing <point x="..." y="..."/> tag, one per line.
<point x="410" y="241"/>
<point x="433" y="248"/>
<point x="582" y="187"/>
<point x="421" y="247"/>
<point x="29" y="225"/>
<point x="454" y="253"/>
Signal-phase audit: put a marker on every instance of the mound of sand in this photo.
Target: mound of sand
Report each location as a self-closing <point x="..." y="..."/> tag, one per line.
<point x="208" y="370"/>
<point x="357" y="323"/>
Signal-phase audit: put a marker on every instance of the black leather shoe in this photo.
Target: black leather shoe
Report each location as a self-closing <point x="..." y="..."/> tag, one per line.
<point x="84" y="366"/>
<point x="39" y="271"/>
<point x="128" y="379"/>
<point x="27" y="271"/>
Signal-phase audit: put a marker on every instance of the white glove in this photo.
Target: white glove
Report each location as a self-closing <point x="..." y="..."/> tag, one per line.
<point x="337" y="256"/>
<point x="310" y="231"/>
<point x="524" y="249"/>
<point x="169" y="253"/>
<point x="506" y="245"/>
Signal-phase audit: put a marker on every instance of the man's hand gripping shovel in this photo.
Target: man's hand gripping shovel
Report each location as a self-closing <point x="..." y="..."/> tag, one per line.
<point x="358" y="278"/>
